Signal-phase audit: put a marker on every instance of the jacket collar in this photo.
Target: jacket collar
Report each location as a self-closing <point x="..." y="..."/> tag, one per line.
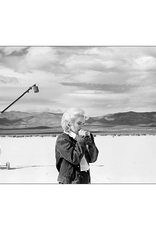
<point x="71" y="134"/>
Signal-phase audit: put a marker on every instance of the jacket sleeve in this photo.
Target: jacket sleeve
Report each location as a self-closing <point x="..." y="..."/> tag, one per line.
<point x="69" y="150"/>
<point x="92" y="150"/>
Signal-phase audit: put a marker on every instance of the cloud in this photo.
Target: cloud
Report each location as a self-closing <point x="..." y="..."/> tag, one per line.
<point x="40" y="58"/>
<point x="113" y="78"/>
<point x="101" y="87"/>
<point x="104" y="52"/>
<point x="145" y="63"/>
<point x="14" y="63"/>
<point x="113" y="59"/>
<point x="82" y="62"/>
<point x="144" y="78"/>
<point x="66" y="51"/>
<point x="91" y="94"/>
<point x="6" y="80"/>
<point x="34" y="58"/>
<point x="95" y="63"/>
<point x="9" y="50"/>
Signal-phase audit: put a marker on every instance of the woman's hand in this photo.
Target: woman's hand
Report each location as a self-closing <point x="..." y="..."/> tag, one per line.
<point x="84" y="133"/>
<point x="88" y="139"/>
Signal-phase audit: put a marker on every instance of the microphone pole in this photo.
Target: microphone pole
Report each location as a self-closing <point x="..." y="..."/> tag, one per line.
<point x="36" y="90"/>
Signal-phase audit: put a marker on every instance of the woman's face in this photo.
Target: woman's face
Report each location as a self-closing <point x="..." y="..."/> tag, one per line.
<point x="77" y="125"/>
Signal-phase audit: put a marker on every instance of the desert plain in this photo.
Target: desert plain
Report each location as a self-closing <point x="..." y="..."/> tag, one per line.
<point x="122" y="159"/>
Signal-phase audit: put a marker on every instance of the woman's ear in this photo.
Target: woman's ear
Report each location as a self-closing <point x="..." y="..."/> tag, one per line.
<point x="68" y="124"/>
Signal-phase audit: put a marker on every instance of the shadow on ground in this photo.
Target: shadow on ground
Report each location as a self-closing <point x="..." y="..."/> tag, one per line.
<point x="23" y="167"/>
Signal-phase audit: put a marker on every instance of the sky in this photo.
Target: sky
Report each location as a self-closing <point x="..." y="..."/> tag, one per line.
<point x="100" y="79"/>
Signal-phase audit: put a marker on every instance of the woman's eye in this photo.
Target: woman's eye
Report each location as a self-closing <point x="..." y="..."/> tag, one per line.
<point x="80" y="123"/>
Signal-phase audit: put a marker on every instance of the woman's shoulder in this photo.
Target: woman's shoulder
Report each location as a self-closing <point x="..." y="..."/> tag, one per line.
<point x="63" y="136"/>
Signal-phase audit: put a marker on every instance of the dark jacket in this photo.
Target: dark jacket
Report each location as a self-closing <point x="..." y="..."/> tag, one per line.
<point x="68" y="153"/>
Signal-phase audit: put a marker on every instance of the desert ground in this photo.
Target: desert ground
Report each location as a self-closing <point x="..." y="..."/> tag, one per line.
<point x="122" y="159"/>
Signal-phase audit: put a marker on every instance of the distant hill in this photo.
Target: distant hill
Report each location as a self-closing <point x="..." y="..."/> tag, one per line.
<point x="132" y="118"/>
<point x="17" y="120"/>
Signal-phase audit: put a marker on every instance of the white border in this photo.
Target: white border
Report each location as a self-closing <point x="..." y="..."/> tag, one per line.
<point x="77" y="23"/>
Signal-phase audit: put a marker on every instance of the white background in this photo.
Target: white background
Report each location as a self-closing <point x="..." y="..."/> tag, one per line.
<point x="77" y="23"/>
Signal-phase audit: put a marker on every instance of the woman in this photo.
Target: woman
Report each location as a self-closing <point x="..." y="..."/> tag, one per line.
<point x="75" y="149"/>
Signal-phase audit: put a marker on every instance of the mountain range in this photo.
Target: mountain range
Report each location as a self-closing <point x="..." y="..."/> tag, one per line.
<point x="20" y="120"/>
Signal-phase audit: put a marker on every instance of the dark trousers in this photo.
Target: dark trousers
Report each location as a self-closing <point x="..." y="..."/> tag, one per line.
<point x="82" y="177"/>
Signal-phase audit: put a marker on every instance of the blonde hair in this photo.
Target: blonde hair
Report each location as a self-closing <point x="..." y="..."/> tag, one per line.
<point x="72" y="115"/>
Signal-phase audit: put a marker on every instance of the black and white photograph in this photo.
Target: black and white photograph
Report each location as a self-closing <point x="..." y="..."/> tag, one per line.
<point x="77" y="74"/>
<point x="111" y="93"/>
